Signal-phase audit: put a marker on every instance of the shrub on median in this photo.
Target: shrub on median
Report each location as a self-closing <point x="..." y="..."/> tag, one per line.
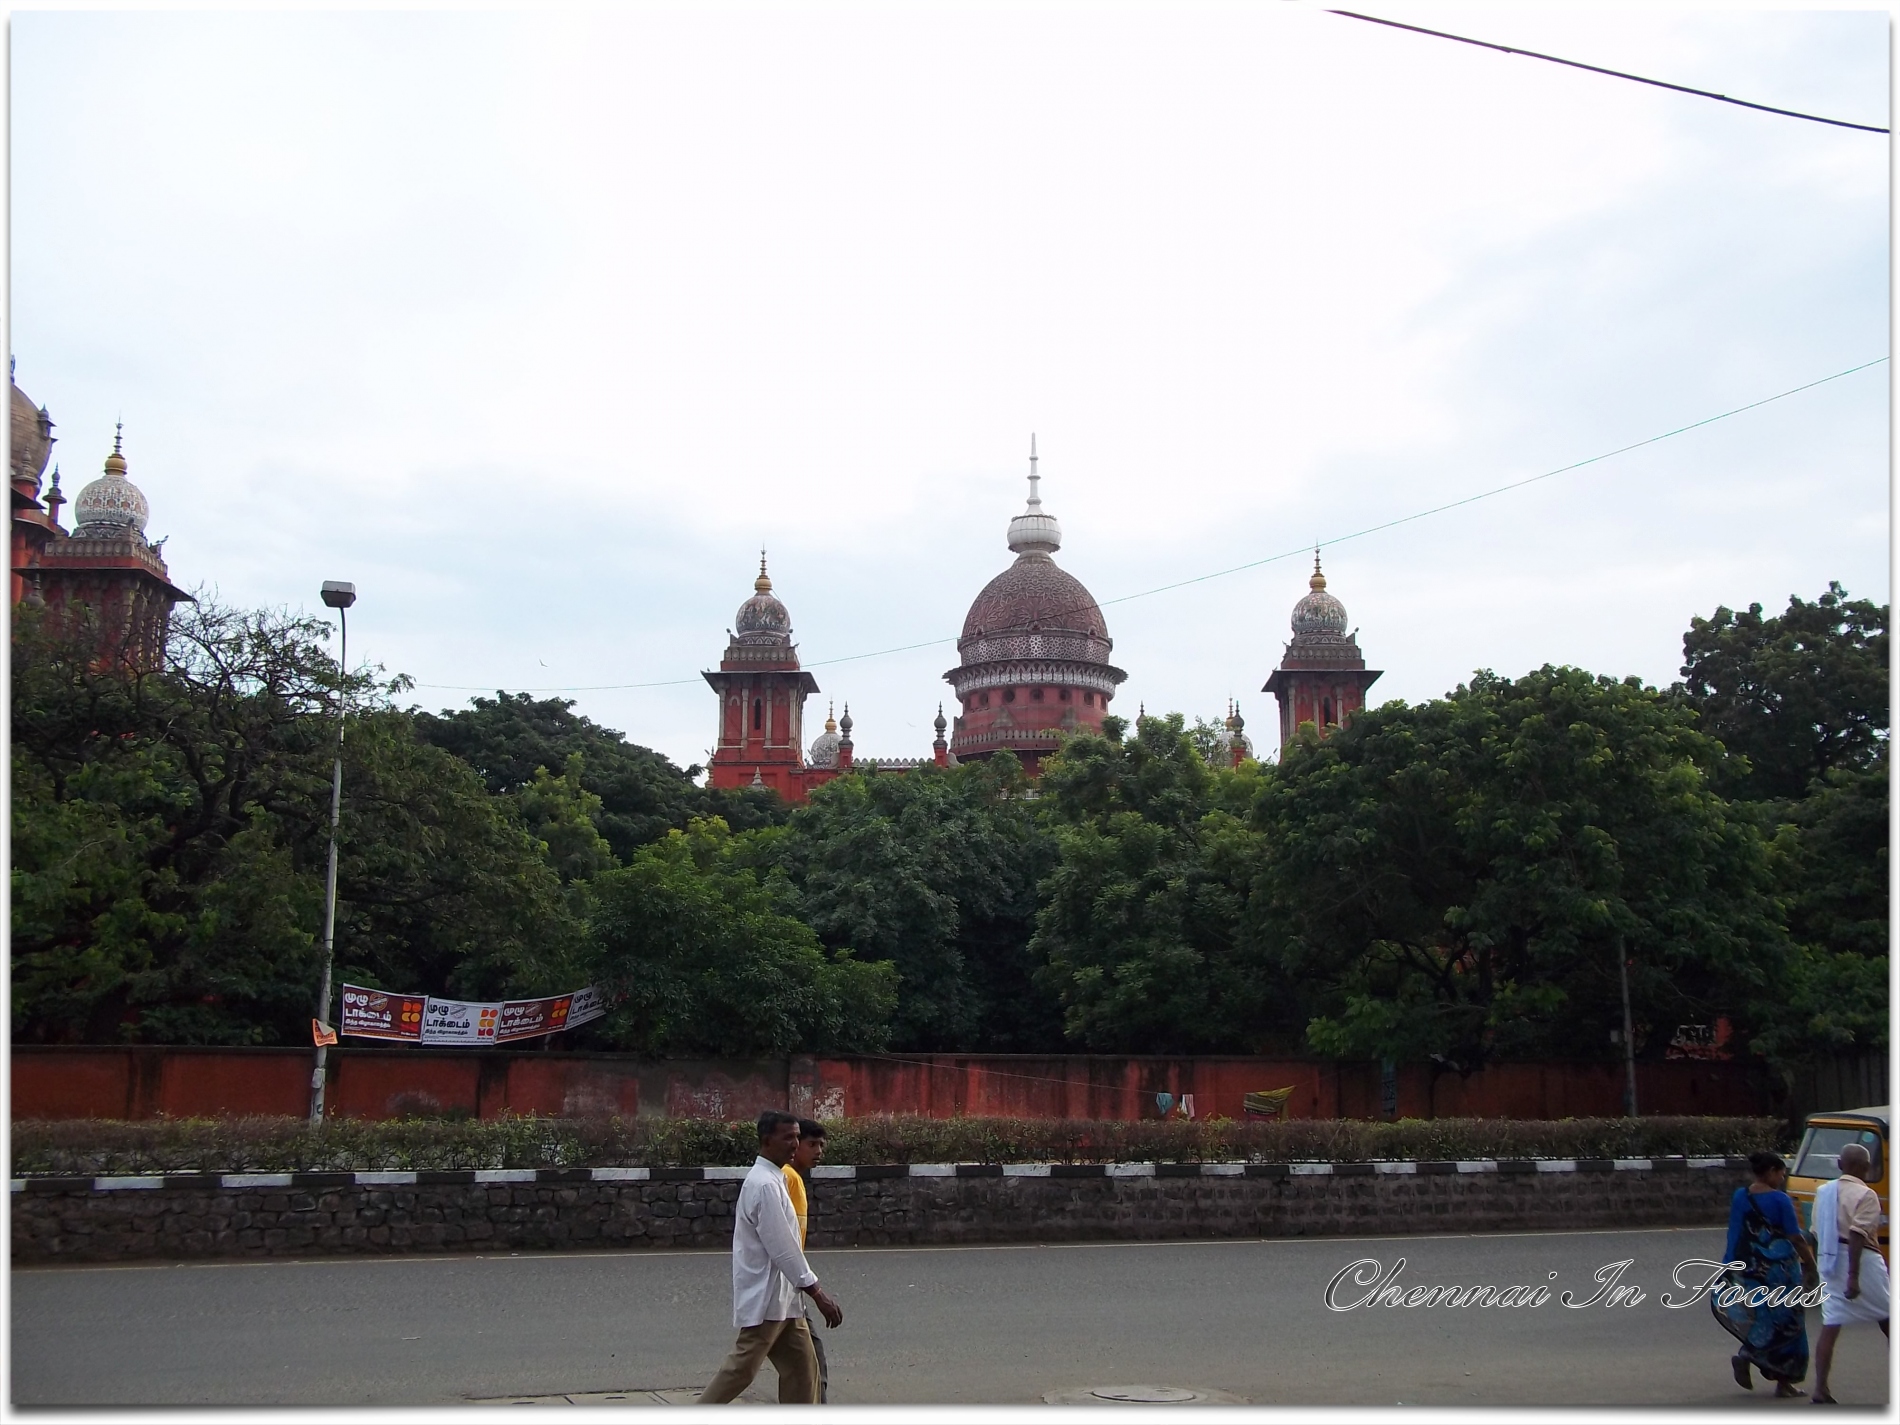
<point x="96" y="1147"/>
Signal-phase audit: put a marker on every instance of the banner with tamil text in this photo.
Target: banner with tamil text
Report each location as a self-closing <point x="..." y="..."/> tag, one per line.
<point x="424" y="1019"/>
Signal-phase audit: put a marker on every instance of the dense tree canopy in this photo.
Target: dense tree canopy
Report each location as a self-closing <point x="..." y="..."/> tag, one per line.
<point x="641" y="795"/>
<point x="1793" y="697"/>
<point x="1457" y="880"/>
<point x="170" y="833"/>
<point x="701" y="958"/>
<point x="935" y="873"/>
<point x="1140" y="930"/>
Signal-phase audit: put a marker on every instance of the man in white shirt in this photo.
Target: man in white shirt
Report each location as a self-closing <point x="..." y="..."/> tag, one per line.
<point x="1847" y="1226"/>
<point x="769" y="1272"/>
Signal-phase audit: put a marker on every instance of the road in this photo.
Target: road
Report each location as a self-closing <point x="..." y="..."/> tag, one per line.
<point x="980" y="1324"/>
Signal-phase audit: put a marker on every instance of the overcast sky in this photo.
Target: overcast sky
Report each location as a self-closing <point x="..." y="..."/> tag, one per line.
<point x="537" y="327"/>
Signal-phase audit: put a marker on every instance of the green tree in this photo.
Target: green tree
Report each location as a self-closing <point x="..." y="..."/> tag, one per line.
<point x="1794" y="696"/>
<point x="641" y="795"/>
<point x="1802" y="700"/>
<point x="170" y="832"/>
<point x="1458" y="880"/>
<point x="935" y="873"/>
<point x="1140" y="931"/>
<point x="702" y="959"/>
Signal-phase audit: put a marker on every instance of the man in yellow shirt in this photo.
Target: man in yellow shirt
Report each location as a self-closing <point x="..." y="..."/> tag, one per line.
<point x="808" y="1155"/>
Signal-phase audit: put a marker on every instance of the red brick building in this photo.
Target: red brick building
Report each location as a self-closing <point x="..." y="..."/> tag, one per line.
<point x="1322" y="679"/>
<point x="104" y="577"/>
<point x="762" y="693"/>
<point x="1034" y="653"/>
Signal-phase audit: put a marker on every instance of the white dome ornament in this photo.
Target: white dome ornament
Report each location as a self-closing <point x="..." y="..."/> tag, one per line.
<point x="111" y="507"/>
<point x="824" y="748"/>
<point x="1032" y="531"/>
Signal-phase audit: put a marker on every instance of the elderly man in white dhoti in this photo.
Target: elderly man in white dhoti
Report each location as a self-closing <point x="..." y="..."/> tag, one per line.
<point x="1847" y="1237"/>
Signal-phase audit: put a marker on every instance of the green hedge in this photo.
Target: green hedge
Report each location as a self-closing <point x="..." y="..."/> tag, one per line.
<point x="108" y="1147"/>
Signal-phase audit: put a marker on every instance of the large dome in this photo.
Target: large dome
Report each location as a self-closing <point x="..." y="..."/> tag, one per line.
<point x="111" y="504"/>
<point x="1319" y="612"/>
<point x="762" y="618"/>
<point x="31" y="434"/>
<point x="1034" y="609"/>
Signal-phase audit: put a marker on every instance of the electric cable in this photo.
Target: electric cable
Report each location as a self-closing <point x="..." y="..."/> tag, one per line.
<point x="1251" y="564"/>
<point x="1612" y="73"/>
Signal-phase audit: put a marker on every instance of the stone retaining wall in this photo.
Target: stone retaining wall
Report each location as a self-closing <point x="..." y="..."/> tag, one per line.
<point x="312" y="1214"/>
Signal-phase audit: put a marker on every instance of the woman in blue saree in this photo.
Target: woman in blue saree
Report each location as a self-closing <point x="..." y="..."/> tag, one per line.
<point x="1764" y="1235"/>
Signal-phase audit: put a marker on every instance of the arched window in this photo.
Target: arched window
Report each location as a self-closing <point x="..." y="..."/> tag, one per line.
<point x="1326" y="712"/>
<point x="1089" y="699"/>
<point x="758" y="713"/>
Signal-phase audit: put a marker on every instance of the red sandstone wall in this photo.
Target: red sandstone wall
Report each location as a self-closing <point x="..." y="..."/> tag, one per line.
<point x="107" y="1082"/>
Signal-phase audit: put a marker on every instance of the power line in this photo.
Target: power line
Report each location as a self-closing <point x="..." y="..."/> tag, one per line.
<point x="1613" y="73"/>
<point x="1254" y="563"/>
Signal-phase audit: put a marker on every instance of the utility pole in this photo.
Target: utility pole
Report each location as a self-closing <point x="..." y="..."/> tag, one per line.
<point x="1629" y="1032"/>
<point x="339" y="597"/>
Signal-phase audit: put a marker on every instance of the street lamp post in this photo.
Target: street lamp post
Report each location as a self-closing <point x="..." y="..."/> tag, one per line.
<point x="339" y="597"/>
<point x="1629" y="1032"/>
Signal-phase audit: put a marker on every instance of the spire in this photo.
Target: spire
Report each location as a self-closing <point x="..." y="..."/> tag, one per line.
<point x="1033" y="531"/>
<point x="54" y="499"/>
<point x="1318" y="581"/>
<point x="844" y="725"/>
<point x="115" y="462"/>
<point x="763" y="584"/>
<point x="940" y="749"/>
<point x="831" y="723"/>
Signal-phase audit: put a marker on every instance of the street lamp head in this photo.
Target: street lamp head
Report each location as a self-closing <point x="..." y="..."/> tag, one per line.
<point x="338" y="595"/>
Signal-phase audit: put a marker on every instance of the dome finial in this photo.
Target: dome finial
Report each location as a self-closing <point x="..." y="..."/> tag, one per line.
<point x="831" y="723"/>
<point x="1032" y="531"/>
<point x="1318" y="581"/>
<point x="764" y="582"/>
<point x="115" y="462"/>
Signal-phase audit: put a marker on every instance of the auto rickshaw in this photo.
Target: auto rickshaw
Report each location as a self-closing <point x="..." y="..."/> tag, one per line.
<point x="1828" y="1133"/>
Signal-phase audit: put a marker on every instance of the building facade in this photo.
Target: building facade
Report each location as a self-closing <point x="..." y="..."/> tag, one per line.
<point x="1322" y="677"/>
<point x="1033" y="669"/>
<point x="1033" y="657"/>
<point x="104" y="580"/>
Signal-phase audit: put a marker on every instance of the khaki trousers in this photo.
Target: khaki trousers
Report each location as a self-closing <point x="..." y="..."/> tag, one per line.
<point x="788" y="1345"/>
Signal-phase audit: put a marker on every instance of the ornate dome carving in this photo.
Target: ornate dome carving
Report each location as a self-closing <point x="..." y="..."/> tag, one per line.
<point x="1319" y="614"/>
<point x="1033" y="609"/>
<point x="762" y="618"/>
<point x="31" y="434"/>
<point x="111" y="505"/>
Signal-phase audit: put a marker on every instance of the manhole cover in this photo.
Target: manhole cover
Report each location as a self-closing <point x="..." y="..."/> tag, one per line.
<point x="1142" y="1395"/>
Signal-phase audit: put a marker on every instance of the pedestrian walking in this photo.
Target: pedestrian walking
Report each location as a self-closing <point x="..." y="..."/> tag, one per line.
<point x="809" y="1154"/>
<point x="769" y="1272"/>
<point x="1847" y="1242"/>
<point x="1764" y="1235"/>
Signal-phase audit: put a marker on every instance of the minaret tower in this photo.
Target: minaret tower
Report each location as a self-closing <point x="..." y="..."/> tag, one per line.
<point x="1322" y="679"/>
<point x="762" y="694"/>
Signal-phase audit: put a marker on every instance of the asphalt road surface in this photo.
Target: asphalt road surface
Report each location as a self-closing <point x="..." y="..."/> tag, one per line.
<point x="925" y="1325"/>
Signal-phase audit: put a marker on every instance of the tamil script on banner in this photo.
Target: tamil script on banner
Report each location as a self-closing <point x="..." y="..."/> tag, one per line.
<point x="424" y="1019"/>
<point x="374" y="1014"/>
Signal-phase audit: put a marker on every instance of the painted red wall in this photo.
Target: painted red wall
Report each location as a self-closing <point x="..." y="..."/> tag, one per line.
<point x="108" y="1082"/>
